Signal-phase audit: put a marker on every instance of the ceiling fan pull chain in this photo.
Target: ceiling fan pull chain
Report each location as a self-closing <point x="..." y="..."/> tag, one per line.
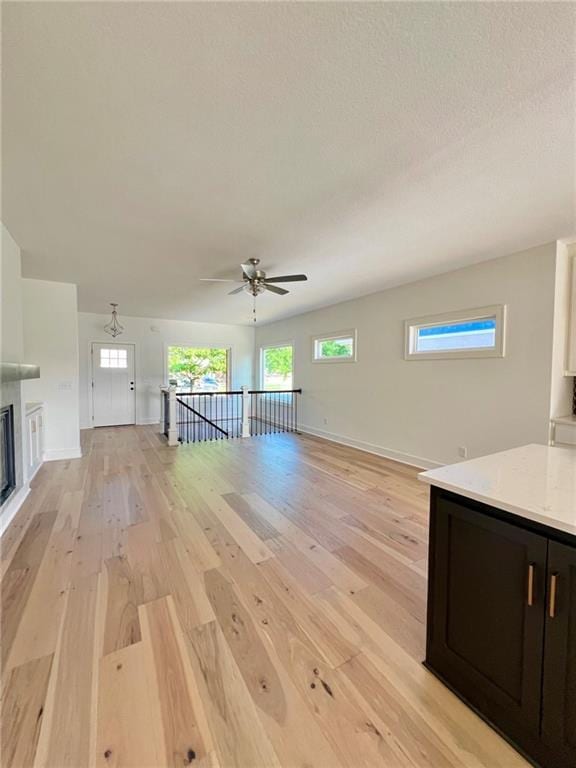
<point x="254" y="308"/>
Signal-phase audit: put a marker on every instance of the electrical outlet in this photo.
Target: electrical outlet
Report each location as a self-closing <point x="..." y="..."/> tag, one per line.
<point x="462" y="451"/>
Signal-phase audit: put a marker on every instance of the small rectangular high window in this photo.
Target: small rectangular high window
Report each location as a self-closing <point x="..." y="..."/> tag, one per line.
<point x="466" y="333"/>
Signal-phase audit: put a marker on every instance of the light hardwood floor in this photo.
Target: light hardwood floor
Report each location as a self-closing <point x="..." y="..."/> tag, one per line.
<point x="245" y="603"/>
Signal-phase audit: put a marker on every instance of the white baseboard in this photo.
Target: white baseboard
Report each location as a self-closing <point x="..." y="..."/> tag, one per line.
<point x="378" y="450"/>
<point x="12" y="506"/>
<point x="60" y="454"/>
<point x="33" y="475"/>
<point x="139" y="423"/>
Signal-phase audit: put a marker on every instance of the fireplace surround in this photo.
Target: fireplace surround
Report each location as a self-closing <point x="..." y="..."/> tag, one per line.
<point x="7" y="453"/>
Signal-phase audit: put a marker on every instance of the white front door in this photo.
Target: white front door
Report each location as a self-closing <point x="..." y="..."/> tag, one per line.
<point x="113" y="384"/>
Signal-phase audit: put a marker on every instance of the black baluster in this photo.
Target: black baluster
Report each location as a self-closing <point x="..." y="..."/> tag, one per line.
<point x="296" y="423"/>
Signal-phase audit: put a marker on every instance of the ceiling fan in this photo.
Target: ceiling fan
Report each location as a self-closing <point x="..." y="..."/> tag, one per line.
<point x="254" y="280"/>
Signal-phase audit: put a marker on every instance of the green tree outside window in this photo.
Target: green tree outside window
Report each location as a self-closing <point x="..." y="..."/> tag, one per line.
<point x="277" y="365"/>
<point x="198" y="367"/>
<point x="334" y="348"/>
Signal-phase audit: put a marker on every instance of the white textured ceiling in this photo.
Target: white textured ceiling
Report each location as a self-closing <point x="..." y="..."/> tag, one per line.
<point x="146" y="145"/>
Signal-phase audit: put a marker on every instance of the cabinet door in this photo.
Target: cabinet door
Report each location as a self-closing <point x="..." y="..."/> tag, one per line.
<point x="571" y="350"/>
<point x="30" y="444"/>
<point x="34" y="431"/>
<point x="40" y="437"/>
<point x="559" y="694"/>
<point x="486" y="613"/>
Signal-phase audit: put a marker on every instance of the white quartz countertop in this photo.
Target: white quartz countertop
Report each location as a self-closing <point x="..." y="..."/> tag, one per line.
<point x="536" y="482"/>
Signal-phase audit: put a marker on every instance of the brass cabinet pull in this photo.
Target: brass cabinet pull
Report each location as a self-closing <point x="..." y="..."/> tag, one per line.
<point x="531" y="584"/>
<point x="552" y="600"/>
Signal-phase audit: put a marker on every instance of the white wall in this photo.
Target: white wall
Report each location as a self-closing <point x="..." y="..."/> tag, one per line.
<point x="12" y="351"/>
<point x="51" y="341"/>
<point x="562" y="386"/>
<point x="422" y="411"/>
<point x="11" y="315"/>
<point x="150" y="355"/>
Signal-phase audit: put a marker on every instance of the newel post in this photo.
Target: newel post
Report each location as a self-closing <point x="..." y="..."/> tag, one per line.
<point x="172" y="425"/>
<point x="245" y="412"/>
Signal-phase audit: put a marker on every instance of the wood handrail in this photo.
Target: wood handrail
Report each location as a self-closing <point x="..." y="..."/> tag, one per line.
<point x="250" y="392"/>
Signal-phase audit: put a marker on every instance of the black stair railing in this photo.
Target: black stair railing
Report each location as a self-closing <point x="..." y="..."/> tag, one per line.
<point x="208" y="415"/>
<point x="273" y="411"/>
<point x="223" y="415"/>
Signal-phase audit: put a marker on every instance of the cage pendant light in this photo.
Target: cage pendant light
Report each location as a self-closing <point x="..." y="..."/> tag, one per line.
<point x="113" y="327"/>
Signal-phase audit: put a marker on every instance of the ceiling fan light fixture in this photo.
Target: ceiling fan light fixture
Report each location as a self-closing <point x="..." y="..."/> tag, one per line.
<point x="256" y="282"/>
<point x="254" y="287"/>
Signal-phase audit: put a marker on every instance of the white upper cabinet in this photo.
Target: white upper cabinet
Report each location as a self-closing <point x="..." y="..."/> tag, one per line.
<point x="571" y="350"/>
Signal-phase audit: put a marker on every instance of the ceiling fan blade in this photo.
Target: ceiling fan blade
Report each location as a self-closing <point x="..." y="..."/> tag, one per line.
<point x="286" y="279"/>
<point x="275" y="289"/>
<point x="236" y="290"/>
<point x="218" y="280"/>
<point x="249" y="270"/>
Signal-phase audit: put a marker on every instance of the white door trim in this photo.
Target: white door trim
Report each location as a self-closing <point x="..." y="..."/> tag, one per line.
<point x="91" y="383"/>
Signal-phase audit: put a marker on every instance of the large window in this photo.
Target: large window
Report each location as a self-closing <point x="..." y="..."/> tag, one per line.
<point x="199" y="369"/>
<point x="335" y="347"/>
<point x="468" y="333"/>
<point x="277" y="367"/>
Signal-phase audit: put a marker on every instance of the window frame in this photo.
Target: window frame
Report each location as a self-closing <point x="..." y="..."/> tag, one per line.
<point x="227" y="347"/>
<point x="413" y="325"/>
<point x="263" y="348"/>
<point x="114" y="355"/>
<point x="349" y="333"/>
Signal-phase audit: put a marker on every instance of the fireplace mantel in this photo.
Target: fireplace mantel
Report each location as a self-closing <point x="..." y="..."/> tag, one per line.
<point x="18" y="372"/>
